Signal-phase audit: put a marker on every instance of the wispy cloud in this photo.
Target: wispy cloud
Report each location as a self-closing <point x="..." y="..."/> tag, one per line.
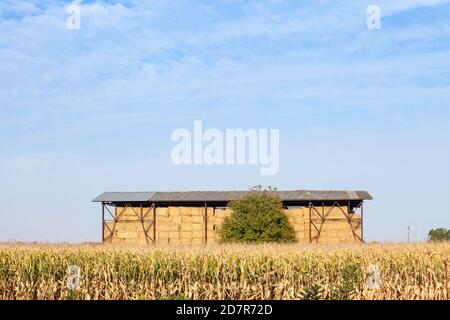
<point x="106" y="97"/>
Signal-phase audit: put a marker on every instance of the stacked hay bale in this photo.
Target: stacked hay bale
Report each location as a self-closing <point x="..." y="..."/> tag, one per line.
<point x="164" y="226"/>
<point x="193" y="225"/>
<point x="215" y="220"/>
<point x="336" y="229"/>
<point x="298" y="218"/>
<point x="129" y="228"/>
<point x="186" y="225"/>
<point x="180" y="225"/>
<point x="333" y="231"/>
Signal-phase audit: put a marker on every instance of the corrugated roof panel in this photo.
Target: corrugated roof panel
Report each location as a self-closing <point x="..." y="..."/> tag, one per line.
<point x="124" y="197"/>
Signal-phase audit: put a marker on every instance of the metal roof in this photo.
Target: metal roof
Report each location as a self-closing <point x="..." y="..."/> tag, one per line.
<point x="226" y="196"/>
<point x="124" y="197"/>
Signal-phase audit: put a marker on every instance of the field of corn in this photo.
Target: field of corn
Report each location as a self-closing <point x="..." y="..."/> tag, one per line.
<point x="419" y="271"/>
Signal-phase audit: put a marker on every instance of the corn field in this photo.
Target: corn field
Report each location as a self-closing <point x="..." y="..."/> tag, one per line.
<point x="419" y="271"/>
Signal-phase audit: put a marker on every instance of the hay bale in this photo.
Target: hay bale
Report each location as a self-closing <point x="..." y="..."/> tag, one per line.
<point x="211" y="212"/>
<point x="128" y="226"/>
<point x="186" y="227"/>
<point x="171" y="227"/>
<point x="117" y="240"/>
<point x="185" y="211"/>
<point x="185" y="234"/>
<point x="162" y="212"/>
<point x="160" y="221"/>
<point x="198" y="212"/>
<point x="198" y="234"/>
<point x="174" y="235"/>
<point x="126" y="235"/>
<point x="127" y="214"/>
<point x="198" y="241"/>
<point x="186" y="219"/>
<point x="197" y="219"/>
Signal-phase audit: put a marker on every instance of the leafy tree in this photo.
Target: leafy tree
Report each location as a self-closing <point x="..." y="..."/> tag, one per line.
<point x="256" y="218"/>
<point x="439" y="234"/>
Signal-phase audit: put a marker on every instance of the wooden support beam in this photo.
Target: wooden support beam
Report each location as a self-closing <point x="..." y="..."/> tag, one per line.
<point x="362" y="222"/>
<point x="310" y="223"/>
<point x="206" y="223"/>
<point x="154" y="222"/>
<point x="141" y="218"/>
<point x="103" y="222"/>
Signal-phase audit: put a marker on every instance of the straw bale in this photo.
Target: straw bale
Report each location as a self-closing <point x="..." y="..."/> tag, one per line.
<point x="120" y="226"/>
<point x="162" y="212"/>
<point x="197" y="226"/>
<point x="186" y="219"/>
<point x="186" y="227"/>
<point x="211" y="212"/>
<point x="128" y="213"/>
<point x="110" y="224"/>
<point x="117" y="241"/>
<point x="174" y="240"/>
<point x="185" y="211"/>
<point x="198" y="234"/>
<point x="162" y="221"/>
<point x="174" y="234"/>
<point x="135" y="241"/>
<point x="199" y="212"/>
<point x="185" y="234"/>
<point x="127" y="235"/>
<point x="198" y="219"/>
<point x="168" y="227"/>
<point x="162" y="227"/>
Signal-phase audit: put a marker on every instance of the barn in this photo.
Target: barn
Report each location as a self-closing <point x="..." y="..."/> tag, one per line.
<point x="194" y="217"/>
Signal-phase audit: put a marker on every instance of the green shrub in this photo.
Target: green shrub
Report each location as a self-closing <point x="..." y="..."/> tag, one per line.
<point x="349" y="282"/>
<point x="312" y="292"/>
<point x="256" y="218"/>
<point x="439" y="234"/>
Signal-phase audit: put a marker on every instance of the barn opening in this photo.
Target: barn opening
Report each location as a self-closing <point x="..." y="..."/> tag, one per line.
<point x="194" y="217"/>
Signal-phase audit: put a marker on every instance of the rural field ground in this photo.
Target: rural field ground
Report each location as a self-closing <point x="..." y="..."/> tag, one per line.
<point x="407" y="271"/>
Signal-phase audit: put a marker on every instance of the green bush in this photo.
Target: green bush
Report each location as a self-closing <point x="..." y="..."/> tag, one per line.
<point x="256" y="218"/>
<point x="439" y="234"/>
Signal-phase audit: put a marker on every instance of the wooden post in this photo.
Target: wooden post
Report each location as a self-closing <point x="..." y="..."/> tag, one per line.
<point x="154" y="223"/>
<point x="310" y="222"/>
<point x="362" y="221"/>
<point x="206" y="223"/>
<point x="103" y="222"/>
<point x="141" y="217"/>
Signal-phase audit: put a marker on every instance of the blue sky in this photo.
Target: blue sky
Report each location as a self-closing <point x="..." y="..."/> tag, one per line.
<point x="91" y="110"/>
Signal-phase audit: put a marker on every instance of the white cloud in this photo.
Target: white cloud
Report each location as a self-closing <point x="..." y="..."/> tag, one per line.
<point x="28" y="165"/>
<point x="69" y="100"/>
<point x="18" y="8"/>
<point x="398" y="6"/>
